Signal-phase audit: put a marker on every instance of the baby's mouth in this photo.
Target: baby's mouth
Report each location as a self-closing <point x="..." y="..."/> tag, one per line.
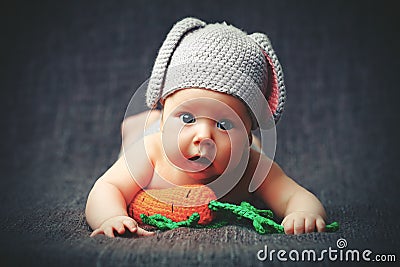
<point x="201" y="160"/>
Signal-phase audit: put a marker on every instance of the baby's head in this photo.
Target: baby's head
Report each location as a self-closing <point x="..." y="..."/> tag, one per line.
<point x="221" y="58"/>
<point x="215" y="83"/>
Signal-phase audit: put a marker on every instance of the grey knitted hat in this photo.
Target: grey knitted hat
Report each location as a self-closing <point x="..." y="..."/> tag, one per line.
<point x="222" y="58"/>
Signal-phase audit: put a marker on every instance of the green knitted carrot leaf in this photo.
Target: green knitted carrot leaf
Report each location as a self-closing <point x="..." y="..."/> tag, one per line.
<point x="262" y="220"/>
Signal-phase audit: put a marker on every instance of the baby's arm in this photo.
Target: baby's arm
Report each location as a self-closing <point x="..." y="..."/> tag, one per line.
<point x="301" y="210"/>
<point x="106" y="207"/>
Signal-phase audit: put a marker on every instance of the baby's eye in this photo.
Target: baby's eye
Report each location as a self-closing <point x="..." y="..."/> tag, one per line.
<point x="225" y="125"/>
<point x="187" y="118"/>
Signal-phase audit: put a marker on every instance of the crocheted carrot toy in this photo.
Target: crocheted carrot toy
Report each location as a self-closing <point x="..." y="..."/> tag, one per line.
<point x="179" y="206"/>
<point x="176" y="203"/>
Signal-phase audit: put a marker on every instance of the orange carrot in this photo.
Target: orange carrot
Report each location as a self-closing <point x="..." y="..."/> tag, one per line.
<point x="176" y="203"/>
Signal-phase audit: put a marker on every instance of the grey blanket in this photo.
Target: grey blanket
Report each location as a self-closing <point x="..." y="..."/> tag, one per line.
<point x="68" y="71"/>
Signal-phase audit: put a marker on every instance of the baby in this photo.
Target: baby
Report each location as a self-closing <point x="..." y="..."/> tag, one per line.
<point x="215" y="84"/>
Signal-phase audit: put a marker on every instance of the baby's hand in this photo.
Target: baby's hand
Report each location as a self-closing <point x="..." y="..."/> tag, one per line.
<point x="300" y="222"/>
<point x="118" y="224"/>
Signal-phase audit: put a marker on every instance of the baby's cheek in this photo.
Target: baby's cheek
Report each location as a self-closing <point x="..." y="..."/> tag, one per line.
<point x="233" y="151"/>
<point x="225" y="147"/>
<point x="239" y="144"/>
<point x="175" y="140"/>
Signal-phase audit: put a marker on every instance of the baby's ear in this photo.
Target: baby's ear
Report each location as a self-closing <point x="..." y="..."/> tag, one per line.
<point x="276" y="93"/>
<point x="156" y="81"/>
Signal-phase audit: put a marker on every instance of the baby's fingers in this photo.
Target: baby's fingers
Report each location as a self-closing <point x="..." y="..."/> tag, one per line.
<point x="134" y="228"/>
<point x="299" y="226"/>
<point x="288" y="226"/>
<point x="120" y="228"/>
<point x="109" y="231"/>
<point x="142" y="232"/>
<point x="97" y="232"/>
<point x="131" y="225"/>
<point x="320" y="225"/>
<point x="309" y="225"/>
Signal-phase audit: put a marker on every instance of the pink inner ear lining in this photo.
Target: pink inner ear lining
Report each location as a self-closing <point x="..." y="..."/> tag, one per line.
<point x="273" y="98"/>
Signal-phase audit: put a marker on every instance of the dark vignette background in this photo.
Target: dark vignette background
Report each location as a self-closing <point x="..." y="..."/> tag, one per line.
<point x="69" y="69"/>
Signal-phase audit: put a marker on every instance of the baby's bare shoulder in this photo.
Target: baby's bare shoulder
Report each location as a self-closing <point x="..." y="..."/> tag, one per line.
<point x="260" y="168"/>
<point x="256" y="158"/>
<point x="153" y="146"/>
<point x="152" y="141"/>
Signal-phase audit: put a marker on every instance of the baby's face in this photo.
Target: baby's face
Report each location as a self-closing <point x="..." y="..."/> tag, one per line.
<point x="204" y="132"/>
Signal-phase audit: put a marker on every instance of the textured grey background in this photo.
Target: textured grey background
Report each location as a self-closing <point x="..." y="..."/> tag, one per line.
<point x="68" y="71"/>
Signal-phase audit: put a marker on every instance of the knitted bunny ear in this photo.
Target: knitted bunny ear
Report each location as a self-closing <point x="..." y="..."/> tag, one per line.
<point x="276" y="87"/>
<point x="172" y="40"/>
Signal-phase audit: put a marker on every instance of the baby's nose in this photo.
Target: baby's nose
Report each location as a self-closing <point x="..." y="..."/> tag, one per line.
<point x="203" y="133"/>
<point x="207" y="148"/>
<point x="204" y="142"/>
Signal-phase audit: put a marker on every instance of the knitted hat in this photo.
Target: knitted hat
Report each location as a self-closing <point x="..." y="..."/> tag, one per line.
<point x="222" y="58"/>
